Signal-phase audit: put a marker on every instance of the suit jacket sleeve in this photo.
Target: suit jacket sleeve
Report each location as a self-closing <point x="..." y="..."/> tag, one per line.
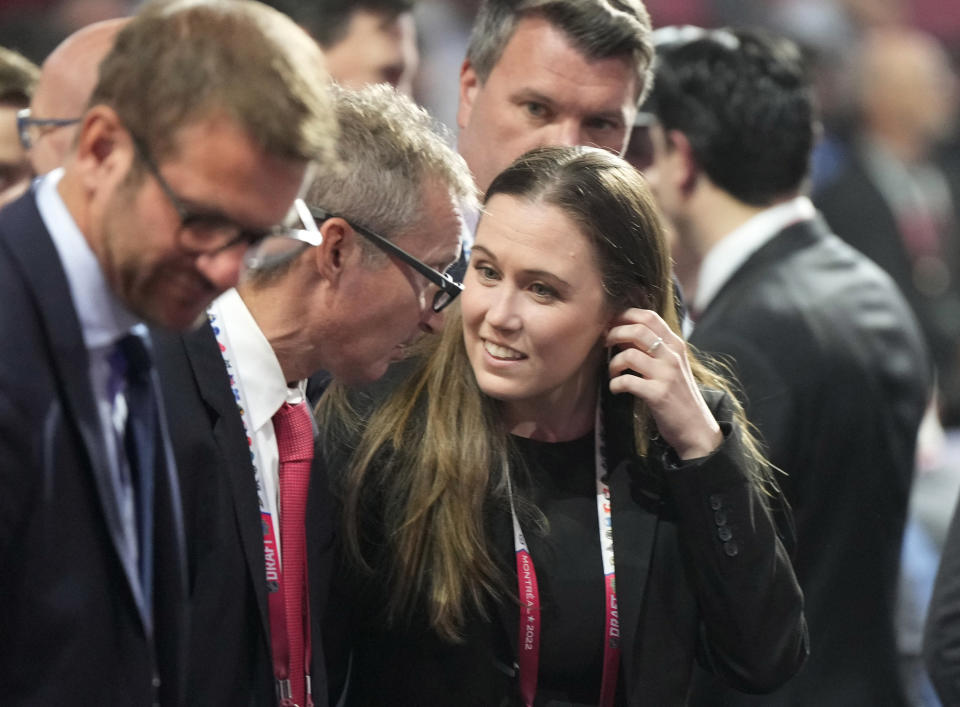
<point x="941" y="644"/>
<point x="753" y="630"/>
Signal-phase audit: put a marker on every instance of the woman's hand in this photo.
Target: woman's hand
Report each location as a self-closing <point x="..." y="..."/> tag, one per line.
<point x="646" y="346"/>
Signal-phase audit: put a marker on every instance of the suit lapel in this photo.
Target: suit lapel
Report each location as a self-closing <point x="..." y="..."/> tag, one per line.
<point x="214" y="387"/>
<point x="634" y="536"/>
<point x="32" y="247"/>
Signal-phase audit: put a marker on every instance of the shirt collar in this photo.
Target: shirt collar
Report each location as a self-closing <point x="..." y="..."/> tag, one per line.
<point x="103" y="318"/>
<point x="726" y="257"/>
<point x="257" y="368"/>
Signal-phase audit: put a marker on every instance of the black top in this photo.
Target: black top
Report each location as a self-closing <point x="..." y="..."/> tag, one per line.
<point x="567" y="558"/>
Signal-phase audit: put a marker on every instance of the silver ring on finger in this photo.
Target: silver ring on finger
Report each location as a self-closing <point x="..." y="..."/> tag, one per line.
<point x="654" y="346"/>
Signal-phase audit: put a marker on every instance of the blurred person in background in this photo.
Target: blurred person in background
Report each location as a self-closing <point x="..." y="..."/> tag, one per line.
<point x="833" y="365"/>
<point x="67" y="79"/>
<point x="893" y="200"/>
<point x="18" y="78"/>
<point x="363" y="41"/>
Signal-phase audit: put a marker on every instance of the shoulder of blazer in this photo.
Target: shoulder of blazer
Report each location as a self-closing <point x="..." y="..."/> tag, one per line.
<point x="42" y="303"/>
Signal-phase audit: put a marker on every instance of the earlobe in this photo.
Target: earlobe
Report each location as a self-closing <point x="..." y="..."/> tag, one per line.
<point x="469" y="84"/>
<point x="330" y="255"/>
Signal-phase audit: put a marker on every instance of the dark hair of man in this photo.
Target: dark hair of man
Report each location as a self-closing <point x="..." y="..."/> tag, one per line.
<point x="743" y="100"/>
<point x="599" y="29"/>
<point x="183" y="61"/>
<point x="327" y="20"/>
<point x="18" y="78"/>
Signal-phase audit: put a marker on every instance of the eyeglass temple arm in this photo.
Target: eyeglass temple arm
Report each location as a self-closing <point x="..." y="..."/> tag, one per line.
<point x="440" y="279"/>
<point x="303" y="211"/>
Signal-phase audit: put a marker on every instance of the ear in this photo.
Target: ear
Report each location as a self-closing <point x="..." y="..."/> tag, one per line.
<point x="685" y="165"/>
<point x="469" y="85"/>
<point x="104" y="149"/>
<point x="338" y="247"/>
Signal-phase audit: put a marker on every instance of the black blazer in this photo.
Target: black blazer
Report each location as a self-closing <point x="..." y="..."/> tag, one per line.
<point x="70" y="625"/>
<point x="683" y="592"/>
<point x="836" y="377"/>
<point x="229" y="653"/>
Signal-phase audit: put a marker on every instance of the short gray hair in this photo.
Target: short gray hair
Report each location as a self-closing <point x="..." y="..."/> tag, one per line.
<point x="389" y="149"/>
<point x="600" y="29"/>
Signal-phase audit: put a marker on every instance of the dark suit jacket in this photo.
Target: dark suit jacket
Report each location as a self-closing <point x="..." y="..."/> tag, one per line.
<point x="836" y="378"/>
<point x="71" y="628"/>
<point x="683" y="593"/>
<point x="858" y="212"/>
<point x="941" y="637"/>
<point x="230" y="656"/>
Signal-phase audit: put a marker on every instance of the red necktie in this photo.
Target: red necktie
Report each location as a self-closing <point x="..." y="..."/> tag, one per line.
<point x="294" y="434"/>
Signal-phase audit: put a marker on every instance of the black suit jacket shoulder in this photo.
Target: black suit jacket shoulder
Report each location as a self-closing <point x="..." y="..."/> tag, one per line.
<point x="68" y="615"/>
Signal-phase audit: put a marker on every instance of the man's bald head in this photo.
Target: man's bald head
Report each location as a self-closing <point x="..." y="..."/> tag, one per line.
<point x="67" y="78"/>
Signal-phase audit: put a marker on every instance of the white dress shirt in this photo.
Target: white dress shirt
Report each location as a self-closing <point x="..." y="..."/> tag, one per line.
<point x="733" y="250"/>
<point x="263" y="389"/>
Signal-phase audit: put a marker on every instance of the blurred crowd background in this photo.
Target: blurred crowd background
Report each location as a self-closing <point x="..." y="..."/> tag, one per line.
<point x="886" y="174"/>
<point x="831" y="31"/>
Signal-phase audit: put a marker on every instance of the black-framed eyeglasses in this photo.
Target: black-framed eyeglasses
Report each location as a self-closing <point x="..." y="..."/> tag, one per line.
<point x="448" y="289"/>
<point x="203" y="231"/>
<point x="25" y="121"/>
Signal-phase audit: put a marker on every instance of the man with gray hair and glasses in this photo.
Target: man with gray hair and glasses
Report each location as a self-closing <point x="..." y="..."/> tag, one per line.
<point x="193" y="147"/>
<point x="360" y="280"/>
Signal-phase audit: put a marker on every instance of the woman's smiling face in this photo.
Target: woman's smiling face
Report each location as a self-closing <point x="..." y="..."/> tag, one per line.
<point x="534" y="308"/>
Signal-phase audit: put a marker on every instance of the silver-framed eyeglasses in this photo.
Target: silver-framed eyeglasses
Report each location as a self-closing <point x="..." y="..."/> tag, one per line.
<point x="448" y="289"/>
<point x="26" y="121"/>
<point x="204" y="230"/>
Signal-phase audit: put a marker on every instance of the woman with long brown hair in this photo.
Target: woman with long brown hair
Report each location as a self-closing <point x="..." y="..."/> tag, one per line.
<point x="559" y="505"/>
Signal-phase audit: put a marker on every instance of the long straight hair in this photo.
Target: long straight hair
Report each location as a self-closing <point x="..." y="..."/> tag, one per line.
<point x="434" y="453"/>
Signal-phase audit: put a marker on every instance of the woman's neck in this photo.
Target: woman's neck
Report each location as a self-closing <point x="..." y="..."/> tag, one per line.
<point x="549" y="421"/>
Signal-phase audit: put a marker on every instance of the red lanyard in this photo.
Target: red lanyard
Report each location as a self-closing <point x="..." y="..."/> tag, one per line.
<point x="276" y="603"/>
<point x="528" y="639"/>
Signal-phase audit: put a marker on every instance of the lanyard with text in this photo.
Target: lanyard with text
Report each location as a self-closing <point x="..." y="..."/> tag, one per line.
<point x="275" y="599"/>
<point x="528" y="639"/>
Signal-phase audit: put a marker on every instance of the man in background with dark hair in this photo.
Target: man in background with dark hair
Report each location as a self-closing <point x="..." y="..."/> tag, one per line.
<point x="363" y="41"/>
<point x="18" y="78"/>
<point x="832" y="362"/>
